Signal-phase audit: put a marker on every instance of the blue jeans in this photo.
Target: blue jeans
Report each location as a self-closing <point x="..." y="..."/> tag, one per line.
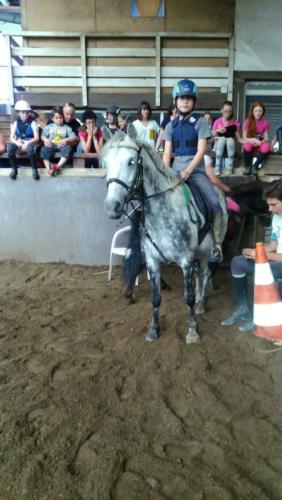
<point x="202" y="182"/>
<point x="240" y="266"/>
<point x="48" y="153"/>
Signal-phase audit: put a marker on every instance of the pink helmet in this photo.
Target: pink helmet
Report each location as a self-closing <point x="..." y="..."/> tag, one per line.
<point x="22" y="106"/>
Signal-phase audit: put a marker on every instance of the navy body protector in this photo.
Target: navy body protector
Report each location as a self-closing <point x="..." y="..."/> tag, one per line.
<point x="24" y="130"/>
<point x="184" y="136"/>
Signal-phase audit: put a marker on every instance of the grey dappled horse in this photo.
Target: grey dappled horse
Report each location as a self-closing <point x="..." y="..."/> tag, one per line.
<point x="168" y="222"/>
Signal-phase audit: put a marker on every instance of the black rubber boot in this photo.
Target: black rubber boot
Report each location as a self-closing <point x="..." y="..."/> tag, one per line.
<point x="35" y="174"/>
<point x="14" y="173"/>
<point x="242" y="310"/>
<point x="248" y="162"/>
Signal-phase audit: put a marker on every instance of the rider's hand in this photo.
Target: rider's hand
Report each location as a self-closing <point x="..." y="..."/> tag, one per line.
<point x="185" y="174"/>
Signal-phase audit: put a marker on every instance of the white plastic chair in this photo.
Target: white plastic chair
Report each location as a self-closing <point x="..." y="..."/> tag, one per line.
<point x="116" y="250"/>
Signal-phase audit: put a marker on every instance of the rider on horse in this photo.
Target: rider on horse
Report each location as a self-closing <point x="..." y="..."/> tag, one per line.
<point x="187" y="137"/>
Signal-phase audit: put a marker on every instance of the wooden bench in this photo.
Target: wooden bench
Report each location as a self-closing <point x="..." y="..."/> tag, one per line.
<point x="272" y="167"/>
<point x="78" y="159"/>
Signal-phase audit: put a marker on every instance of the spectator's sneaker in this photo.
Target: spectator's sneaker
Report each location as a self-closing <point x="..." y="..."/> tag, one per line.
<point x="216" y="170"/>
<point x="51" y="171"/>
<point x="13" y="174"/>
<point x="227" y="171"/>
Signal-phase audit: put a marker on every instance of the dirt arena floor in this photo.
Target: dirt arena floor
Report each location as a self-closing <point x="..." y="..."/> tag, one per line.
<point x="90" y="411"/>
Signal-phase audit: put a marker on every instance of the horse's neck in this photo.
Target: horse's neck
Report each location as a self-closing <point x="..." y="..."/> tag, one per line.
<point x="153" y="181"/>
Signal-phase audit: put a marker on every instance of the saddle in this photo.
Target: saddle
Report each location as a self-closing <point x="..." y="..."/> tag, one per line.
<point x="202" y="211"/>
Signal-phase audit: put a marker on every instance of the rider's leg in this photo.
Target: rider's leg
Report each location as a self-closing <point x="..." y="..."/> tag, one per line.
<point x="240" y="266"/>
<point x="205" y="186"/>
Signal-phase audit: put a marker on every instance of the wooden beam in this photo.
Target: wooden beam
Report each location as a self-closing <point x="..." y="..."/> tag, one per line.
<point x="158" y="71"/>
<point x="231" y="69"/>
<point x="10" y="71"/>
<point x="121" y="34"/>
<point x="83" y="70"/>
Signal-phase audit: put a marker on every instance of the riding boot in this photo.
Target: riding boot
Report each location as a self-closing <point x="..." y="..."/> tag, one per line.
<point x="35" y="173"/>
<point x="217" y="235"/>
<point x="14" y="173"/>
<point x="242" y="310"/>
<point x="248" y="162"/>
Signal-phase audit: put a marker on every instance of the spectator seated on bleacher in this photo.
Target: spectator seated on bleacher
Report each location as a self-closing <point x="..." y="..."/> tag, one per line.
<point x="57" y="137"/>
<point x="255" y="138"/>
<point x="24" y="137"/>
<point x="91" y="138"/>
<point x="226" y="131"/>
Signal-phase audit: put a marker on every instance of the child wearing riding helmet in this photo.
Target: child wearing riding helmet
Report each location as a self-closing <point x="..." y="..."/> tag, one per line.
<point x="187" y="137"/>
<point x="24" y="136"/>
<point x="255" y="138"/>
<point x="112" y="113"/>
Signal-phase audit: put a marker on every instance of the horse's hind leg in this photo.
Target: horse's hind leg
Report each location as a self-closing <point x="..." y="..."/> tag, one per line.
<point x="154" y="274"/>
<point x="189" y="297"/>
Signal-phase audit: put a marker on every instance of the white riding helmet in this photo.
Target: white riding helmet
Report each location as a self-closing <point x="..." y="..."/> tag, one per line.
<point x="22" y="106"/>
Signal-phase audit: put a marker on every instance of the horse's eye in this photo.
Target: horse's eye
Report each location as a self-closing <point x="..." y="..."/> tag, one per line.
<point x="131" y="162"/>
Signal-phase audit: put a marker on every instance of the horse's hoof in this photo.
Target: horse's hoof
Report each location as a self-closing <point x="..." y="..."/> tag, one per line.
<point x="151" y="337"/>
<point x="130" y="300"/>
<point x="192" y="339"/>
<point x="199" y="309"/>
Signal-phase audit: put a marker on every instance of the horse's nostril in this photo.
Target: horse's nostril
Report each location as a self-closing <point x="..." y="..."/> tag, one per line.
<point x="117" y="206"/>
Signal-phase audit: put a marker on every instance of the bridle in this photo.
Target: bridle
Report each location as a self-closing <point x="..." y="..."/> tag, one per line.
<point x="136" y="192"/>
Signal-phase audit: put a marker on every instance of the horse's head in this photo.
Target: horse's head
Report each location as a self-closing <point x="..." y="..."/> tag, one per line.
<point x="120" y="157"/>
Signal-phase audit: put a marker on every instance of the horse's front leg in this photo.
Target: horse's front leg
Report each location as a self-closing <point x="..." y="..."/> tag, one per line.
<point x="154" y="273"/>
<point x="189" y="297"/>
<point x="201" y="302"/>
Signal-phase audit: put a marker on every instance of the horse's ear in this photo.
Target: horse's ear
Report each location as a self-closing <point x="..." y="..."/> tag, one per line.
<point x="107" y="134"/>
<point x="131" y="131"/>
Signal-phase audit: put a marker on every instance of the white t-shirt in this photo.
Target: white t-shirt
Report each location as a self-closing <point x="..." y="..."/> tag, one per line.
<point x="149" y="133"/>
<point x="276" y="234"/>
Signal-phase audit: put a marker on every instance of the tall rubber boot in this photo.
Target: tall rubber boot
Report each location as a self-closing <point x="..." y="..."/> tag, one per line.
<point x="217" y="234"/>
<point x="13" y="174"/>
<point x="242" y="310"/>
<point x="248" y="162"/>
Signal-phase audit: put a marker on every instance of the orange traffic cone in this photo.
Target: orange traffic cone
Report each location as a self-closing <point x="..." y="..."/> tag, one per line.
<point x="267" y="301"/>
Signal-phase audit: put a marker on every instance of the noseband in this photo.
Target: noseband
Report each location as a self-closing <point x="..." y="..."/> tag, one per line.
<point x="133" y="191"/>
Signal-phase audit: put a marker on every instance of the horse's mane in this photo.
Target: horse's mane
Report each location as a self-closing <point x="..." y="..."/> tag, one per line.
<point x="120" y="139"/>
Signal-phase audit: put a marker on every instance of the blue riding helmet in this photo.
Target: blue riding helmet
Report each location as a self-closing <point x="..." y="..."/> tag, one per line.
<point x="185" y="88"/>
